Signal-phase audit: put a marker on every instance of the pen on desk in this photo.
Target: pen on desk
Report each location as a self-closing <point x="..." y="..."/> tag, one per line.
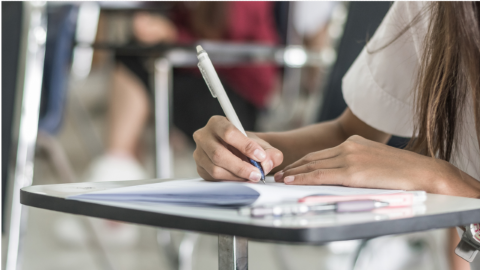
<point x="216" y="88"/>
<point x="297" y="209"/>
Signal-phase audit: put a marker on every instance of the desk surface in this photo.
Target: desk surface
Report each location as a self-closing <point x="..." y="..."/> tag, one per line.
<point x="439" y="211"/>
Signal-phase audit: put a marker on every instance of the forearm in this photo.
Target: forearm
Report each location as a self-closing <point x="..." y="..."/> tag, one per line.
<point x="297" y="143"/>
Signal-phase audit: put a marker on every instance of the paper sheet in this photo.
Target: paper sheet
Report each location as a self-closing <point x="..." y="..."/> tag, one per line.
<point x="226" y="194"/>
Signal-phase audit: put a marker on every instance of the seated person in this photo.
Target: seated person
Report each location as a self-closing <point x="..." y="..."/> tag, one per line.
<point x="248" y="87"/>
<point x="417" y="77"/>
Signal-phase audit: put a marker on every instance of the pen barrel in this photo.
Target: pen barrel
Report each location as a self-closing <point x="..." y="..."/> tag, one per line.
<point x="356" y="206"/>
<point x="213" y="81"/>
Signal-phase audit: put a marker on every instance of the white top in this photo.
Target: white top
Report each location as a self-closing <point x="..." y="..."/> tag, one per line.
<point x="379" y="86"/>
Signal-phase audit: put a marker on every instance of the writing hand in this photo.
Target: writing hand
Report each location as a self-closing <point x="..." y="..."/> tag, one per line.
<point x="222" y="151"/>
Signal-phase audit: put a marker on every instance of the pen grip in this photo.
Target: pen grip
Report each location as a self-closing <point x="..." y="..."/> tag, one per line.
<point x="355" y="206"/>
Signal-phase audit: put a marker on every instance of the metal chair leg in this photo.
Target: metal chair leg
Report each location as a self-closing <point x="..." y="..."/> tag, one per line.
<point x="185" y="251"/>
<point x="163" y="74"/>
<point x="64" y="169"/>
<point x="358" y="252"/>
<point x="165" y="240"/>
<point x="57" y="156"/>
<point x="33" y="45"/>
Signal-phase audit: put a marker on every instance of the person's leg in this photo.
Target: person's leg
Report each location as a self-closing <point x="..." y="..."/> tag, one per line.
<point x="128" y="112"/>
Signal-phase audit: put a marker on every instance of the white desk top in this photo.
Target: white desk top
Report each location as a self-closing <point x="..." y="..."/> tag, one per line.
<point x="439" y="211"/>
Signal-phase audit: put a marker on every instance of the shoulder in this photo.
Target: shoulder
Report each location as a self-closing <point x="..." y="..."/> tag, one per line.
<point x="379" y="87"/>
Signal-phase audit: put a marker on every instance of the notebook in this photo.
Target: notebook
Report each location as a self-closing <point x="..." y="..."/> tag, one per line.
<point x="198" y="192"/>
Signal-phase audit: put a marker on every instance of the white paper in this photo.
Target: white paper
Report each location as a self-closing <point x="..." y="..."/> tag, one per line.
<point x="203" y="193"/>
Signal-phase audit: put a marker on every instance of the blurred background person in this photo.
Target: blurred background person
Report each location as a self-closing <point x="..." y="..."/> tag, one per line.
<point x="248" y="87"/>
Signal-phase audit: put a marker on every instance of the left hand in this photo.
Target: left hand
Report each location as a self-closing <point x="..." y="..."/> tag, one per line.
<point x="359" y="162"/>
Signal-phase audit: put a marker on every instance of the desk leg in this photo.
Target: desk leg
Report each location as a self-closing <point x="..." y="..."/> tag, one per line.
<point x="232" y="253"/>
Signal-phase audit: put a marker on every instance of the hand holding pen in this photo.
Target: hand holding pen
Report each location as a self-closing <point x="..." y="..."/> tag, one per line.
<point x="224" y="150"/>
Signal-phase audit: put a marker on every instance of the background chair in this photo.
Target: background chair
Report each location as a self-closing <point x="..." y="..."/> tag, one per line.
<point x="24" y="91"/>
<point x="42" y="105"/>
<point x="11" y="27"/>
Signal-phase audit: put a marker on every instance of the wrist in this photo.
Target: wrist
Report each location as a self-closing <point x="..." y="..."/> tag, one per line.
<point x="446" y="179"/>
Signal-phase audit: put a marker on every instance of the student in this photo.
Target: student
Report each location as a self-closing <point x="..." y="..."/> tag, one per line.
<point x="419" y="76"/>
<point x="440" y="108"/>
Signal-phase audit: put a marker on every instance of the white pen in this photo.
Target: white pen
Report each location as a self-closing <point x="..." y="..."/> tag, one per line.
<point x="216" y="88"/>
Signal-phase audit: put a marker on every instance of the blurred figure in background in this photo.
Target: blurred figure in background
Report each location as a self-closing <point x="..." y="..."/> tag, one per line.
<point x="310" y="22"/>
<point x="248" y="88"/>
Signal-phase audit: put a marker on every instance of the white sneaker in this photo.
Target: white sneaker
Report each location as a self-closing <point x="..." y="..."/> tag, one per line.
<point x="114" y="234"/>
<point x="115" y="168"/>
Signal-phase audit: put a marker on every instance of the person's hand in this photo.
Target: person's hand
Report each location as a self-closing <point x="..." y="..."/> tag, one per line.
<point x="359" y="162"/>
<point x="222" y="152"/>
<point x="150" y="29"/>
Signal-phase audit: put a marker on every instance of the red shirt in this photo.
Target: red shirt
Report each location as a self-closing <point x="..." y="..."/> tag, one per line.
<point x="247" y="22"/>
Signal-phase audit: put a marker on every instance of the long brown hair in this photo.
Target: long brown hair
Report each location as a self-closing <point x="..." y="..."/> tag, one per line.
<point x="449" y="75"/>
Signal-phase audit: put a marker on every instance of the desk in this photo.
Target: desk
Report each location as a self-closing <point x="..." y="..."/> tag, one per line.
<point x="439" y="211"/>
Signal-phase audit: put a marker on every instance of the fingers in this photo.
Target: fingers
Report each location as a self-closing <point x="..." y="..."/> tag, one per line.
<point x="273" y="159"/>
<point x="318" y="177"/>
<point x="220" y="163"/>
<point x="228" y="133"/>
<point x="204" y="174"/>
<point x="315" y="156"/>
<point x="223" y="175"/>
<point x="222" y="152"/>
<point x="330" y="163"/>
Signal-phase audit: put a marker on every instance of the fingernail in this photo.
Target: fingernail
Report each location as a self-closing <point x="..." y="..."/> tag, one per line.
<point x="259" y="154"/>
<point x="278" y="175"/>
<point x="255" y="176"/>
<point x="267" y="167"/>
<point x="289" y="179"/>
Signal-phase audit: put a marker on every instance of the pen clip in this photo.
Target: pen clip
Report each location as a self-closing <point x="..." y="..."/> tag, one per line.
<point x="204" y="75"/>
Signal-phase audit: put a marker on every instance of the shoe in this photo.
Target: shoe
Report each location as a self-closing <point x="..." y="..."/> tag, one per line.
<point x="115" y="168"/>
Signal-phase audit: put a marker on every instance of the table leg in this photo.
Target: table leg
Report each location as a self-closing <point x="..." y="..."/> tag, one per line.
<point x="232" y="253"/>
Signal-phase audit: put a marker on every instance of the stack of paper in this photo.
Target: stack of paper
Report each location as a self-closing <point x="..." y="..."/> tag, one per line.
<point x="202" y="193"/>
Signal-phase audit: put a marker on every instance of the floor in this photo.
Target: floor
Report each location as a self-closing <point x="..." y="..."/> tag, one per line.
<point x="43" y="250"/>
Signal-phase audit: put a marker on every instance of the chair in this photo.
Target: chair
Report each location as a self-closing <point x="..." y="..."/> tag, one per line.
<point x="43" y="106"/>
<point x="25" y="92"/>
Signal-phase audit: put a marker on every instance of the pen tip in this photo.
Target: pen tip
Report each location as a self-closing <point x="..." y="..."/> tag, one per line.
<point x="199" y="48"/>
